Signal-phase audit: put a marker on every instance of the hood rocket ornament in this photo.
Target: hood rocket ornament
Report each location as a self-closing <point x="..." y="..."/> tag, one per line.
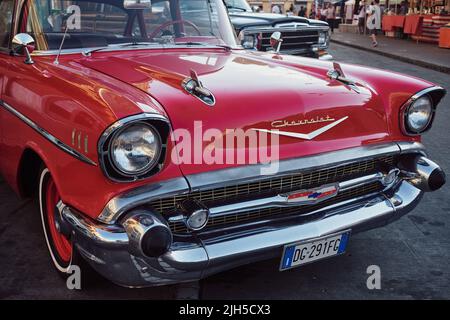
<point x="195" y="87"/>
<point x="337" y="74"/>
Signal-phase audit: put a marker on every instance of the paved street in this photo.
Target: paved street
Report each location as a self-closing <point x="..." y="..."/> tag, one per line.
<point x="406" y="50"/>
<point x="413" y="253"/>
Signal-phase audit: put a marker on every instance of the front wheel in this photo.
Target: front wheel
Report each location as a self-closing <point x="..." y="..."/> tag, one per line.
<point x="63" y="253"/>
<point x="59" y="245"/>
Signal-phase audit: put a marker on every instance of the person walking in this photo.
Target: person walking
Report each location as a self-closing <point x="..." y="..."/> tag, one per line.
<point x="374" y="21"/>
<point x="302" y="12"/>
<point x="331" y="16"/>
<point x="361" y="17"/>
<point x="276" y="9"/>
<point x="323" y="13"/>
<point x="291" y="10"/>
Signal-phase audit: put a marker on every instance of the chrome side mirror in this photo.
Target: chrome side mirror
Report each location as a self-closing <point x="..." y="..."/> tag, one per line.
<point x="276" y="41"/>
<point x="23" y="43"/>
<point x="137" y="4"/>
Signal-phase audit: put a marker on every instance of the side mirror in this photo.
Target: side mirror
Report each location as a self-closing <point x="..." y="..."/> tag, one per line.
<point x="276" y="41"/>
<point x="23" y="43"/>
<point x="137" y="4"/>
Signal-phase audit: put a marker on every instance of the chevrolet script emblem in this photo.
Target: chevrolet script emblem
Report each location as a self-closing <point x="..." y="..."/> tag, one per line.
<point x="312" y="196"/>
<point x="304" y="136"/>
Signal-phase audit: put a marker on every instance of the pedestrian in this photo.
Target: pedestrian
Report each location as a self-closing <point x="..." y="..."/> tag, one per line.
<point x="361" y="17"/>
<point x="323" y="14"/>
<point x="291" y="10"/>
<point x="403" y="8"/>
<point x="302" y="12"/>
<point x="374" y="21"/>
<point x="349" y="8"/>
<point x="331" y="16"/>
<point x="276" y="9"/>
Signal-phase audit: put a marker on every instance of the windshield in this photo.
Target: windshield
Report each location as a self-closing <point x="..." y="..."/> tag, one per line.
<point x="100" y="23"/>
<point x="241" y="5"/>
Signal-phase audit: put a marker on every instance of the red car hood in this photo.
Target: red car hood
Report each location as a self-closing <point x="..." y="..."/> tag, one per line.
<point x="253" y="92"/>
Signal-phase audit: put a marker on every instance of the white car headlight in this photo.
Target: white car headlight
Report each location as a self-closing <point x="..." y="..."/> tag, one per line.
<point x="248" y="41"/>
<point x="419" y="114"/>
<point x="136" y="149"/>
<point x="323" y="37"/>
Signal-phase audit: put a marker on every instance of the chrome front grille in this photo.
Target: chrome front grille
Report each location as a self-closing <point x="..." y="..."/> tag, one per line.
<point x="279" y="212"/>
<point x="276" y="185"/>
<point x="292" y="39"/>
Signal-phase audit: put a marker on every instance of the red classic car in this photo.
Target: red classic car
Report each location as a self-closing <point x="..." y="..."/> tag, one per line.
<point x="135" y="129"/>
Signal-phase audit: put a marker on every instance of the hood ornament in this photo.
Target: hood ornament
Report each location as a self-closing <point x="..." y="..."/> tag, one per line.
<point x="337" y="74"/>
<point x="304" y="136"/>
<point x="195" y="87"/>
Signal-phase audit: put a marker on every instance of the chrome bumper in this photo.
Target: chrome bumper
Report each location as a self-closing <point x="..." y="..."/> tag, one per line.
<point x="106" y="247"/>
<point x="110" y="245"/>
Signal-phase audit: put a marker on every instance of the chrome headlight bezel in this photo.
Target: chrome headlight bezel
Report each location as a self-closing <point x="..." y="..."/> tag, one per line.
<point x="434" y="94"/>
<point x="420" y="107"/>
<point x="154" y="161"/>
<point x="160" y="128"/>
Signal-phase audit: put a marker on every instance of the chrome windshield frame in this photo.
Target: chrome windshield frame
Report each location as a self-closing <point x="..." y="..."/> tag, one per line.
<point x="158" y="46"/>
<point x="138" y="48"/>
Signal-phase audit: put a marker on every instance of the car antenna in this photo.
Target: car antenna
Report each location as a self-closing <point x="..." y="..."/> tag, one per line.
<point x="56" y="62"/>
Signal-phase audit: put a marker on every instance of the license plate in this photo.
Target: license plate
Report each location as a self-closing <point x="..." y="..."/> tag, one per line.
<point x="308" y="251"/>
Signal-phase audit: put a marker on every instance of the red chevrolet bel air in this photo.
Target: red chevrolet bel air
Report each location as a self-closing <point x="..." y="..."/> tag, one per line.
<point x="163" y="152"/>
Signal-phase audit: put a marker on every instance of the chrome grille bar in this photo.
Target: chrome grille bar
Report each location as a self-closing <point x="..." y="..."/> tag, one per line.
<point x="278" y="184"/>
<point x="280" y="201"/>
<point x="264" y="215"/>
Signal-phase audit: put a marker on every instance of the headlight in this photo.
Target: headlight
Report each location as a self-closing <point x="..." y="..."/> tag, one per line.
<point x="248" y="41"/>
<point x="323" y="38"/>
<point x="135" y="150"/>
<point x="418" y="115"/>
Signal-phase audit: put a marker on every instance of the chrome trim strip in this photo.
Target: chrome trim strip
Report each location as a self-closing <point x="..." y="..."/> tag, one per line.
<point x="58" y="143"/>
<point x="210" y="180"/>
<point x="410" y="147"/>
<point x="286" y="29"/>
<point x="307" y="136"/>
<point x="141" y="195"/>
<point x="44" y="53"/>
<point x="100" y="234"/>
<point x="281" y="201"/>
<point x="426" y="91"/>
<point x="122" y="122"/>
<point x="252" y="173"/>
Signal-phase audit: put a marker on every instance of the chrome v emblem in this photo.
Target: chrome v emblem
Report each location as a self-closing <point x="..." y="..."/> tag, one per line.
<point x="304" y="136"/>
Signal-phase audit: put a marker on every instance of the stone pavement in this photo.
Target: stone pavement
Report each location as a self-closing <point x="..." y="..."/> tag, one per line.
<point x="421" y="54"/>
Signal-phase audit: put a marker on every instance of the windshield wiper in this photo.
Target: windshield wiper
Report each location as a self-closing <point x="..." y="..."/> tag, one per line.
<point x="237" y="8"/>
<point x="204" y="44"/>
<point x="88" y="53"/>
